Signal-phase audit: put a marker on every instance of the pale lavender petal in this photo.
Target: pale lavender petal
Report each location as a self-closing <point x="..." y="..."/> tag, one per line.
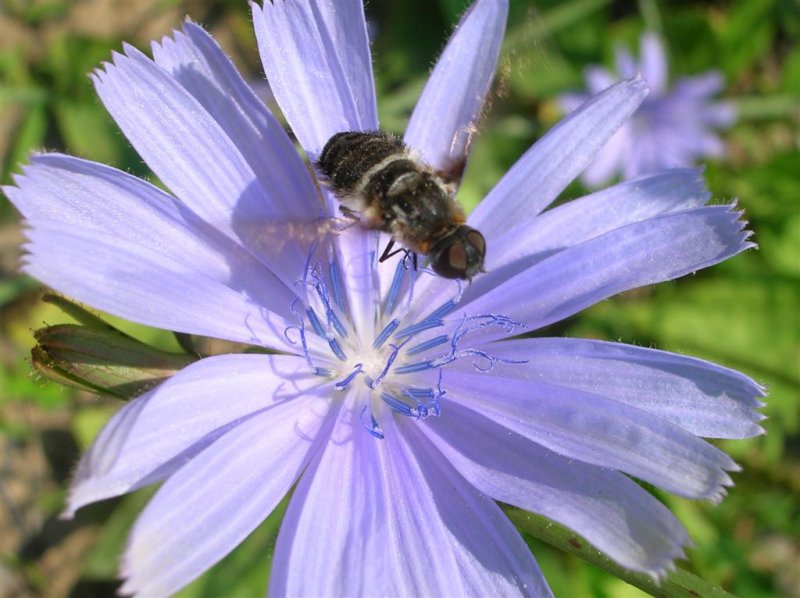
<point x="143" y="285"/>
<point x="404" y="515"/>
<point x="610" y="159"/>
<point x="195" y="60"/>
<point x="654" y="62"/>
<point x="153" y="436"/>
<point x="189" y="151"/>
<point x="122" y="206"/>
<point x="596" y="430"/>
<point x="625" y="203"/>
<point x="555" y="160"/>
<point x="591" y="216"/>
<point x="657" y="249"/>
<point x="317" y="61"/>
<point x="604" y="506"/>
<point x="205" y="509"/>
<point x="701" y="397"/>
<point x="445" y="117"/>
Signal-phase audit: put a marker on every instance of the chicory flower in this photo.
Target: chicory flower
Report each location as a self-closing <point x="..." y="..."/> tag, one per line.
<point x="675" y="126"/>
<point x="395" y="406"/>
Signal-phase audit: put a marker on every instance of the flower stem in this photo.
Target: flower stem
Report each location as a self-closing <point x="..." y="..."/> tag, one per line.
<point x="678" y="583"/>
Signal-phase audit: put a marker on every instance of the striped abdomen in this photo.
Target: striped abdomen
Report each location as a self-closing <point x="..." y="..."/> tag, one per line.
<point x="374" y="175"/>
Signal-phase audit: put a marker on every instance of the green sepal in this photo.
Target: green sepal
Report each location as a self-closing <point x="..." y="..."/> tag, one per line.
<point x="102" y="360"/>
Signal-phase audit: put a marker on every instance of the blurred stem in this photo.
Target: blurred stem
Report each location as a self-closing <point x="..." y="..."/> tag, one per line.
<point x="771" y="106"/>
<point x="651" y="16"/>
<point x="678" y="584"/>
<point x="554" y="20"/>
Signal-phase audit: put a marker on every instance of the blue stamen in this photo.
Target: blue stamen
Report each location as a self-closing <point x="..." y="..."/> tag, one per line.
<point x="399" y="406"/>
<point x="394" y="290"/>
<point x="429" y="344"/>
<point x="321" y="372"/>
<point x="373" y="427"/>
<point x="315" y="323"/>
<point x="442" y="310"/>
<point x="432" y="407"/>
<point x="414" y="329"/>
<point x="419" y="393"/>
<point x="342" y="384"/>
<point x="337" y="349"/>
<point x="321" y="288"/>
<point x="476" y="323"/>
<point x="385" y="333"/>
<point x="335" y="275"/>
<point x="303" y="343"/>
<point x="373" y="383"/>
<point x="415" y="367"/>
<point x="483" y="321"/>
<point x="337" y="324"/>
<point x="286" y="333"/>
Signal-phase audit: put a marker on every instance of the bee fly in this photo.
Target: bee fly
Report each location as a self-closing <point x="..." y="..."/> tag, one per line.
<point x="376" y="179"/>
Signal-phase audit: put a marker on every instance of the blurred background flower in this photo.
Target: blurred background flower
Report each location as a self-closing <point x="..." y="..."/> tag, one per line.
<point x="675" y="126"/>
<point x="742" y="314"/>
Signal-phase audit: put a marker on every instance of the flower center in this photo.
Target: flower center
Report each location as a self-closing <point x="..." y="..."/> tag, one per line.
<point x="401" y="362"/>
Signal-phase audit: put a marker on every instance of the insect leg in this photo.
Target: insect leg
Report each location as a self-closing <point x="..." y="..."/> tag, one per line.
<point x="387" y="253"/>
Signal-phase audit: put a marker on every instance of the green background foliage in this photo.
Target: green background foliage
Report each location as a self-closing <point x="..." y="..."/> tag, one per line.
<point x="742" y="314"/>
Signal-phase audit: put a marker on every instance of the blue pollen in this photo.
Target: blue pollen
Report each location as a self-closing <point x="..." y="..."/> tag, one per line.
<point x="385" y="333"/>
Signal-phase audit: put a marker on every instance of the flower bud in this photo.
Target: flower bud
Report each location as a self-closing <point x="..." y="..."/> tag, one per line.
<point x="102" y="360"/>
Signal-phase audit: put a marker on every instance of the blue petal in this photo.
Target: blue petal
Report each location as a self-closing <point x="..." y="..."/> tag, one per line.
<point x="657" y="249"/>
<point x="158" y="433"/>
<point x="598" y="431"/>
<point x="195" y="60"/>
<point x="66" y="191"/>
<point x="143" y="285"/>
<point x="317" y="60"/>
<point x="701" y="397"/>
<point x="397" y="510"/>
<point x="554" y="161"/>
<point x="205" y="509"/>
<point x="445" y="117"/>
<point x="191" y="153"/>
<point x="605" y="507"/>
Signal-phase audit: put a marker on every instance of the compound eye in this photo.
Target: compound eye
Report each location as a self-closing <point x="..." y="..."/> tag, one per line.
<point x="459" y="254"/>
<point x="478" y="243"/>
<point x="450" y="261"/>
